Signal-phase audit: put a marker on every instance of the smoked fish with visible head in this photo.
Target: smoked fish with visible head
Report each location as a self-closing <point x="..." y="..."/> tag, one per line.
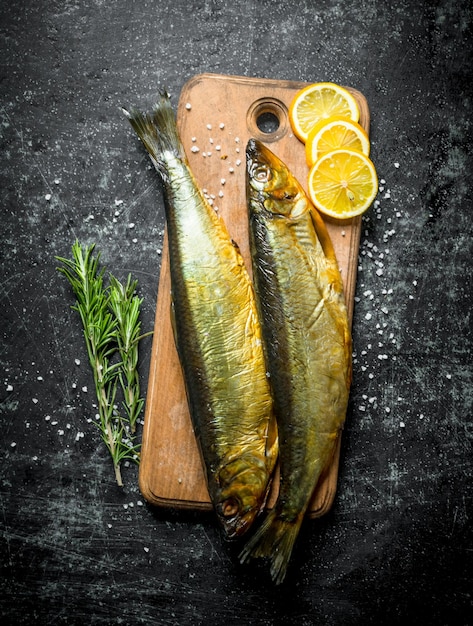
<point x="217" y="334"/>
<point x="306" y="338"/>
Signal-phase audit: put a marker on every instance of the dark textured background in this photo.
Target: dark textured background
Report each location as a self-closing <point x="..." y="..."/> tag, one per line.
<point x="397" y="545"/>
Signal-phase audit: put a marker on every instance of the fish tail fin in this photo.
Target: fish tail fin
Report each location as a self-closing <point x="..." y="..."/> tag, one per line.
<point x="158" y="131"/>
<point x="275" y="540"/>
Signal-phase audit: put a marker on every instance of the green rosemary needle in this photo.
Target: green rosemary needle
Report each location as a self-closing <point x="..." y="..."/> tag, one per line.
<point x="110" y="320"/>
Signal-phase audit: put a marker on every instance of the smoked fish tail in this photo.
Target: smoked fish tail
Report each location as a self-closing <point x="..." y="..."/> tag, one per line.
<point x="275" y="540"/>
<point x="157" y="144"/>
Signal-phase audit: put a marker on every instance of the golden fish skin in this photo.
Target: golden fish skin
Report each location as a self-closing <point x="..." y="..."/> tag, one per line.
<point x="217" y="334"/>
<point x="307" y="342"/>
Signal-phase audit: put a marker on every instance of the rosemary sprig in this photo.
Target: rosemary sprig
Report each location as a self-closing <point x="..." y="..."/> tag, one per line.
<point x="110" y="320"/>
<point x="125" y="306"/>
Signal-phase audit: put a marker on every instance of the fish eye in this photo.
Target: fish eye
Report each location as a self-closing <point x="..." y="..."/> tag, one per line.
<point x="262" y="173"/>
<point x="230" y="507"/>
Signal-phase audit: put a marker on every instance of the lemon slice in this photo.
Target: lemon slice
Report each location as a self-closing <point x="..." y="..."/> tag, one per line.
<point x="334" y="133"/>
<point x="343" y="183"/>
<point x="320" y="101"/>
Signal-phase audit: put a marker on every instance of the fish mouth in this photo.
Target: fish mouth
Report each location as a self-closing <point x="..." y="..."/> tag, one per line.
<point x="257" y="152"/>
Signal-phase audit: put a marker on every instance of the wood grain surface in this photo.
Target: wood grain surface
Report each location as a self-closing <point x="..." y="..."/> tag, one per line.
<point x="216" y="116"/>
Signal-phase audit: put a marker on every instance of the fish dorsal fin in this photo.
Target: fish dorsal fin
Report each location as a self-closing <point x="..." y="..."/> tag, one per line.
<point x="322" y="234"/>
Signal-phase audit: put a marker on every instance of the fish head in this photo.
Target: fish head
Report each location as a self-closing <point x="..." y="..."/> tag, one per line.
<point x="242" y="488"/>
<point x="271" y="188"/>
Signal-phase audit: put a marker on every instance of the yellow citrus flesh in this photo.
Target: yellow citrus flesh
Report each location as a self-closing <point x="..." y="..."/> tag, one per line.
<point x="334" y="133"/>
<point x="343" y="183"/>
<point x="320" y="101"/>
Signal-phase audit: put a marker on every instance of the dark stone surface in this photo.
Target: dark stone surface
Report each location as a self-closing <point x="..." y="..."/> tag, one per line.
<point x="397" y="545"/>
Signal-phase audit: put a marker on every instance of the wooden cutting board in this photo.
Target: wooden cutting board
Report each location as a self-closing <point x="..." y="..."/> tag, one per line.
<point x="216" y="117"/>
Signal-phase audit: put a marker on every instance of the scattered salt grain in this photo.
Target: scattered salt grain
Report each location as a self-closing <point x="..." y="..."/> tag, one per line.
<point x="396" y="165"/>
<point x="79" y="435"/>
<point x="222" y="181"/>
<point x="35" y="400"/>
<point x="231" y="170"/>
<point x="221" y="125"/>
<point x="368" y="316"/>
<point x="402" y="424"/>
<point x="9" y="387"/>
<point x="84" y="388"/>
<point x="238" y="162"/>
<point x="60" y="432"/>
<point x="131" y="225"/>
<point x="146" y="549"/>
<point x="13" y="444"/>
<point x="56" y="181"/>
<point x="74" y="385"/>
<point x="449" y="376"/>
<point x="194" y="139"/>
<point x="47" y="197"/>
<point x="118" y="202"/>
<point x="209" y="126"/>
<point x="77" y="361"/>
<point x="218" y="148"/>
<point x="194" y="149"/>
<point x="188" y="106"/>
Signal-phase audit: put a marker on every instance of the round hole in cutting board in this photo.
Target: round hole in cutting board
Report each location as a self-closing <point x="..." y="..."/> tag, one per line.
<point x="267" y="122"/>
<point x="267" y="119"/>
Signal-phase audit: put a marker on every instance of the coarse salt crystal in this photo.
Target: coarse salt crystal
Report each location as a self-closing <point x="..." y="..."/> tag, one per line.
<point x="84" y="388"/>
<point x="188" y="106"/>
<point x="131" y="225"/>
<point x="209" y="126"/>
<point x="77" y="361"/>
<point x="48" y="197"/>
<point x="146" y="549"/>
<point x="222" y="181"/>
<point x="9" y="387"/>
<point x="13" y="444"/>
<point x="194" y="149"/>
<point x="35" y="400"/>
<point x="396" y="165"/>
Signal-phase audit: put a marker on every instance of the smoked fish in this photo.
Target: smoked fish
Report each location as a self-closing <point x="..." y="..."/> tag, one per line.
<point x="217" y="333"/>
<point x="306" y="339"/>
